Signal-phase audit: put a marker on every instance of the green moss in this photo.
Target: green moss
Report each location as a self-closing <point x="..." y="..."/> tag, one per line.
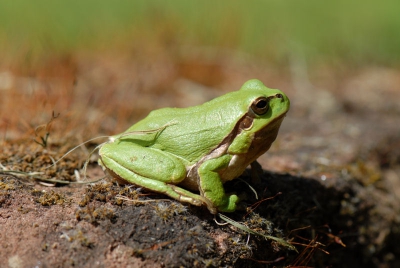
<point x="52" y="198"/>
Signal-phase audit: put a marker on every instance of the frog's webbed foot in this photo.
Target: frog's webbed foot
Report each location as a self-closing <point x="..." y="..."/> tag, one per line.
<point x="183" y="195"/>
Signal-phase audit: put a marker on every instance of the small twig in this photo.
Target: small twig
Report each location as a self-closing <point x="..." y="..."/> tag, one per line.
<point x="47" y="127"/>
<point x="35" y="176"/>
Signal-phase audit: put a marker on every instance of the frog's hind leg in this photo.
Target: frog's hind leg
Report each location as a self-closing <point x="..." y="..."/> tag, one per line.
<point x="170" y="190"/>
<point x="149" y="168"/>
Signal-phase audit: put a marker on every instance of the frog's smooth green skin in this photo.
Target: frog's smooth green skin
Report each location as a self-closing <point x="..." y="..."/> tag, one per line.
<point x="175" y="151"/>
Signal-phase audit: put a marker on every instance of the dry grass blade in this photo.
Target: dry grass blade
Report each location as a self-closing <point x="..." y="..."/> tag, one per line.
<point x="250" y="231"/>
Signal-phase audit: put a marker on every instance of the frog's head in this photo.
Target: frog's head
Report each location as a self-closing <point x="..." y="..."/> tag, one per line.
<point x="265" y="110"/>
<point x="266" y="107"/>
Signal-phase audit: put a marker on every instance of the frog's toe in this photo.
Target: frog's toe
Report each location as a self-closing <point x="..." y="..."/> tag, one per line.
<point x="230" y="206"/>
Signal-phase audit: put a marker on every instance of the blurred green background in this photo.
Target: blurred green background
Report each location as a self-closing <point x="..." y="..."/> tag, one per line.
<point x="357" y="32"/>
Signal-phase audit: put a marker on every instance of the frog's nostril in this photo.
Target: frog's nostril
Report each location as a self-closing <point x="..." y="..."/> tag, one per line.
<point x="280" y="96"/>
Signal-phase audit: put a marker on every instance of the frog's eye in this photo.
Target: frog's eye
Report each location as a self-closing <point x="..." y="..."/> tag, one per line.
<point x="260" y="106"/>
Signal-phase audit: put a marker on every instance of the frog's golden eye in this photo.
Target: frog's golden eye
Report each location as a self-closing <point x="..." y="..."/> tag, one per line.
<point x="260" y="106"/>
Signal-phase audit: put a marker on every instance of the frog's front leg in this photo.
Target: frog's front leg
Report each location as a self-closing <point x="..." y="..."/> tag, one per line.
<point x="212" y="187"/>
<point x="149" y="168"/>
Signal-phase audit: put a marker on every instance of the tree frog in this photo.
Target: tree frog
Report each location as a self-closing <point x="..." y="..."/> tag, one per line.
<point x="189" y="153"/>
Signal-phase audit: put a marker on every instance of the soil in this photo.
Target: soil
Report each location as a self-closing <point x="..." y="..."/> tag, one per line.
<point x="330" y="184"/>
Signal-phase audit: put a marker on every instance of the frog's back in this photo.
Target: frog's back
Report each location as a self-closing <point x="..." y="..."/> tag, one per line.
<point x="192" y="132"/>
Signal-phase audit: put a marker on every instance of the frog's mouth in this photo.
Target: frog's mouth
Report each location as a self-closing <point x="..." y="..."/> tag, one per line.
<point x="276" y="122"/>
<point x="268" y="134"/>
<point x="279" y="118"/>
